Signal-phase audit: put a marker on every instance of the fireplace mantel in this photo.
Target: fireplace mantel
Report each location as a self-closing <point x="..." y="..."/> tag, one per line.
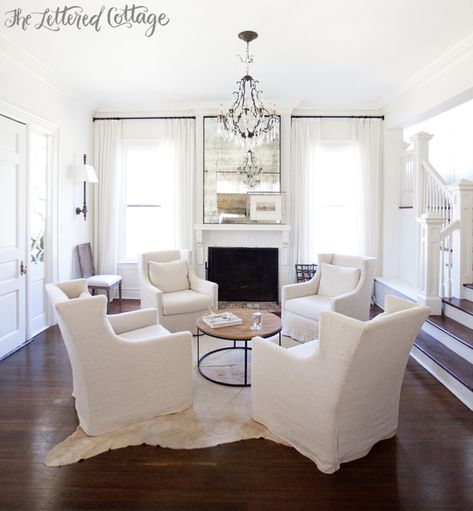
<point x="242" y="227"/>
<point x="240" y="235"/>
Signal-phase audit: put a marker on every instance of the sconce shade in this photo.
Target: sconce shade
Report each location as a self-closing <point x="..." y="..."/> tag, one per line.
<point x="86" y="173"/>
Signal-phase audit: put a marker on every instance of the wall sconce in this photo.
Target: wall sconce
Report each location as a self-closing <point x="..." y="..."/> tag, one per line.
<point x="87" y="174"/>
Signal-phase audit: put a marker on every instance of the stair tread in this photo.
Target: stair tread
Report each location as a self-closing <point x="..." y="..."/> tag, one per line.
<point x="455" y="365"/>
<point x="469" y="286"/>
<point x="448" y="325"/>
<point x="460" y="303"/>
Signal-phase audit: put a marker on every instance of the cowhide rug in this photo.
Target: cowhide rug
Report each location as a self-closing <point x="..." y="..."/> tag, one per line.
<point x="218" y="415"/>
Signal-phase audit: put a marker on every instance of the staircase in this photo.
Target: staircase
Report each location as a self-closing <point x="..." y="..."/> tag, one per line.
<point x="444" y="346"/>
<point x="438" y="236"/>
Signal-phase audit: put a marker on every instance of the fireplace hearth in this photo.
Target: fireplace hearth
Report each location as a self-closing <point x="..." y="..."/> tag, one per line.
<point x="244" y="274"/>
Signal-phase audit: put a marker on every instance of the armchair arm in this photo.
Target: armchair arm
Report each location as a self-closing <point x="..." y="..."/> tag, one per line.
<point x="176" y="341"/>
<point x="395" y="304"/>
<point x="290" y="389"/>
<point x="151" y="296"/>
<point x="310" y="287"/>
<point x="273" y="365"/>
<point x="203" y="286"/>
<point x="353" y="304"/>
<point x="133" y="320"/>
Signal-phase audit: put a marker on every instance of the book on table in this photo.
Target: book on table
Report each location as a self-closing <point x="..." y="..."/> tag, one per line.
<point x="222" y="320"/>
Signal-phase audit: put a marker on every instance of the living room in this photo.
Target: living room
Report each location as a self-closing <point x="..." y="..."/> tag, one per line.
<point x="120" y="122"/>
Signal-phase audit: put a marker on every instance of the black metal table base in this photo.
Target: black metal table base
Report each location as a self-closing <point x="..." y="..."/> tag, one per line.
<point x="245" y="348"/>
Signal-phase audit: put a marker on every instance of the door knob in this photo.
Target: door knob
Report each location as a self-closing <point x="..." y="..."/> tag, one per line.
<point x="23" y="268"/>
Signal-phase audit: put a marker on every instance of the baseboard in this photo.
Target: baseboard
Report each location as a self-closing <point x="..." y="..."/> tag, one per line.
<point x="131" y="294"/>
<point x="18" y="348"/>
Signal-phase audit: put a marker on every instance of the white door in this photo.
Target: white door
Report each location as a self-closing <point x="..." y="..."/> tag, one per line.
<point x="12" y="234"/>
<point x="36" y="249"/>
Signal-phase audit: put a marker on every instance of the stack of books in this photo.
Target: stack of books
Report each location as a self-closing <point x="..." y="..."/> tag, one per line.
<point x="221" y="320"/>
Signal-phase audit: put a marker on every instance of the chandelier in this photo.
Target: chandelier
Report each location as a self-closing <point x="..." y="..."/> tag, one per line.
<point x="248" y="120"/>
<point x="250" y="170"/>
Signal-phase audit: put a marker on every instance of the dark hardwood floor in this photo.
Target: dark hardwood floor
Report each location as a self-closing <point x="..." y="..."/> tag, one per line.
<point x="427" y="466"/>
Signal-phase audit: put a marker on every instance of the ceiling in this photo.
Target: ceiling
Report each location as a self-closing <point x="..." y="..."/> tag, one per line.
<point x="322" y="54"/>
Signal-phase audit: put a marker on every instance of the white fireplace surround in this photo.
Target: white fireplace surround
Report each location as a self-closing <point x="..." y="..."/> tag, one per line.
<point x="243" y="235"/>
<point x="224" y="235"/>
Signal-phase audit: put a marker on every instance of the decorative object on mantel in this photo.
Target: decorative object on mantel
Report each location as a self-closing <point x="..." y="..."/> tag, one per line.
<point x="227" y="179"/>
<point x="266" y="207"/>
<point x="248" y="120"/>
<point x="250" y="170"/>
<point x="85" y="173"/>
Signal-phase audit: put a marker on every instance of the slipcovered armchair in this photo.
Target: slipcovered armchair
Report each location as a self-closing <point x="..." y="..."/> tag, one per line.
<point x="334" y="398"/>
<point x="168" y="283"/>
<point x="342" y="284"/>
<point x="126" y="368"/>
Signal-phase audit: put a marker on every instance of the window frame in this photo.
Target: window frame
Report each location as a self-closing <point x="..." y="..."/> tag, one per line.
<point x="127" y="145"/>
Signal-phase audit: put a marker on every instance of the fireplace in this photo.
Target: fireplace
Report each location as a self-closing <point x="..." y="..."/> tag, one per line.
<point x="244" y="274"/>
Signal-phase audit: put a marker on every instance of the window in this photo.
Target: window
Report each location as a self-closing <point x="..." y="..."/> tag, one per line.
<point x="148" y="213"/>
<point x="334" y="210"/>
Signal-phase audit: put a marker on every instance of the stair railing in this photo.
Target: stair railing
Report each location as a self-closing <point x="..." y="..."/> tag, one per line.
<point x="446" y="238"/>
<point x="437" y="198"/>
<point x="446" y="259"/>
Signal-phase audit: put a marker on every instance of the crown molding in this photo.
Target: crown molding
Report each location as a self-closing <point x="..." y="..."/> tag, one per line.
<point x="35" y="68"/>
<point x="191" y="108"/>
<point x="338" y="111"/>
<point x="439" y="66"/>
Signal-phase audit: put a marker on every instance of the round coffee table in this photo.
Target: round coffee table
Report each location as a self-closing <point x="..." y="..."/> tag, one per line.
<point x="237" y="333"/>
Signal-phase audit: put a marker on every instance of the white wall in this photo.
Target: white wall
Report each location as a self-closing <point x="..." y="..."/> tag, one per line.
<point x="24" y="96"/>
<point x="444" y="84"/>
<point x="419" y="106"/>
<point x="451" y="148"/>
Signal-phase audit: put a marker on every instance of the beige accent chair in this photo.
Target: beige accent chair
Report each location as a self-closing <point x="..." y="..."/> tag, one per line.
<point x="168" y="283"/>
<point x="332" y="399"/>
<point x="126" y="368"/>
<point x="342" y="283"/>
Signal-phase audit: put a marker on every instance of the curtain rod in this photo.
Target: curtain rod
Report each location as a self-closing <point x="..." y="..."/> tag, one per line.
<point x="13" y="119"/>
<point x="337" y="117"/>
<point x="138" y="118"/>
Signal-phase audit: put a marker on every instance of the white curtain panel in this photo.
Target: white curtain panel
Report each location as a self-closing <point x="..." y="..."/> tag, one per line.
<point x="367" y="135"/>
<point x="305" y="137"/>
<point x="108" y="165"/>
<point x="180" y="133"/>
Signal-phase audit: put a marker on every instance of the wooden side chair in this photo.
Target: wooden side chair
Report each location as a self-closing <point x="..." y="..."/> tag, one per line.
<point x="105" y="283"/>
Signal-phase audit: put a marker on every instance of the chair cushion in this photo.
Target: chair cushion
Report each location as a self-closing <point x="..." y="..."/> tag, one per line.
<point x="148" y="332"/>
<point x="183" y="302"/>
<point x="104" y="280"/>
<point x="338" y="280"/>
<point x="308" y="306"/>
<point x="169" y="277"/>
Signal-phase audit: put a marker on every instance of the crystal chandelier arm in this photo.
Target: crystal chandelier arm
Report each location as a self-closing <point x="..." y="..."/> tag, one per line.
<point x="248" y="118"/>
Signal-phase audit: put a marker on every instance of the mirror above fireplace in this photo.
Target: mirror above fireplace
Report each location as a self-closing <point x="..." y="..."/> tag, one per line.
<point x="232" y="173"/>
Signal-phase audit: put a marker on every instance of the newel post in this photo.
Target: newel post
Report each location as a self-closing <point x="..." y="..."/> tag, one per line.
<point x="431" y="225"/>
<point x="421" y="150"/>
<point x="462" y="209"/>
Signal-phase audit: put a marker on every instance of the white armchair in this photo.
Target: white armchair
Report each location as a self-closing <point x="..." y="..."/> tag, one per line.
<point x="342" y="284"/>
<point x="168" y="283"/>
<point x="126" y="368"/>
<point x="334" y="398"/>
